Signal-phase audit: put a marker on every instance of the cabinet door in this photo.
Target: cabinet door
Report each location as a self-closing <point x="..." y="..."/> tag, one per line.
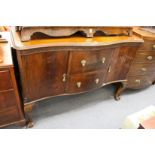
<point x="42" y="73"/>
<point x="120" y="64"/>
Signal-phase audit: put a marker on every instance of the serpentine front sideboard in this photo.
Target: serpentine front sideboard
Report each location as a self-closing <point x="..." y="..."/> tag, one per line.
<point x="70" y="65"/>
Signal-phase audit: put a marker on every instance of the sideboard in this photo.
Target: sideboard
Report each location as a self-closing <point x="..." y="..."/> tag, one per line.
<point x="142" y="70"/>
<point x="70" y="65"/>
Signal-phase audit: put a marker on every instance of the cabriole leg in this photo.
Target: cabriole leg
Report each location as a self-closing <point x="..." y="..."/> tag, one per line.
<point x="28" y="113"/>
<point x="120" y="88"/>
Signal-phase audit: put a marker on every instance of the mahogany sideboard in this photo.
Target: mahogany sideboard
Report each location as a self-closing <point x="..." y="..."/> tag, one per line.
<point x="51" y="67"/>
<point x="10" y="103"/>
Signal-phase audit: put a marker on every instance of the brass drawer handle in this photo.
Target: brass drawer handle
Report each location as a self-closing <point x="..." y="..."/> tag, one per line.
<point x="149" y="57"/>
<point x="78" y="84"/>
<point x="137" y="81"/>
<point x="64" y="77"/>
<point x="103" y="60"/>
<point x="83" y="62"/>
<point x="109" y="69"/>
<point x="143" y="69"/>
<point x="153" y="46"/>
<point x="97" y="80"/>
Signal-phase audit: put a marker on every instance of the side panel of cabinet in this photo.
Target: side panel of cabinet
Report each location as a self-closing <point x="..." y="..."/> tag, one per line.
<point x="42" y="73"/>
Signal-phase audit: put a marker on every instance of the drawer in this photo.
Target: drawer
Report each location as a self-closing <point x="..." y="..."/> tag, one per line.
<point x="8" y="108"/>
<point x="5" y="80"/>
<point x="9" y="116"/>
<point x="148" y="45"/>
<point x="142" y="69"/>
<point x="7" y="100"/>
<point x="87" y="61"/>
<point x="145" y="57"/>
<point x="84" y="82"/>
<point x="138" y="82"/>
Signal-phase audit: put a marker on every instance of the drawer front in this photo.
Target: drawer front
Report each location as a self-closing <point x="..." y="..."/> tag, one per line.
<point x="7" y="100"/>
<point x="84" y="82"/>
<point x="9" y="116"/>
<point x="5" y="80"/>
<point x="142" y="69"/>
<point x="145" y="57"/>
<point x="148" y="45"/>
<point x="87" y="61"/>
<point x="8" y="108"/>
<point x="138" y="82"/>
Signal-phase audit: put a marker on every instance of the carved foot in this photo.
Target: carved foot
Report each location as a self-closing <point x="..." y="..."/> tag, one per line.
<point x="28" y="112"/>
<point x="117" y="97"/>
<point x="121" y="87"/>
<point x="29" y="124"/>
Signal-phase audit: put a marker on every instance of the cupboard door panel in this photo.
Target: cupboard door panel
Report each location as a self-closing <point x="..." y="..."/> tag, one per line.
<point x="42" y="74"/>
<point x="120" y="64"/>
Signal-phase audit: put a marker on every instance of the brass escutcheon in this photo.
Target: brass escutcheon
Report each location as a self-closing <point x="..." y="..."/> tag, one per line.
<point x="149" y="57"/>
<point x="143" y="69"/>
<point x="103" y="60"/>
<point x="64" y="77"/>
<point x="137" y="81"/>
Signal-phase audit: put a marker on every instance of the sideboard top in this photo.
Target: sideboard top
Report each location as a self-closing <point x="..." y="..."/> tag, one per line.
<point x="5" y="50"/>
<point x="144" y="33"/>
<point x="70" y="41"/>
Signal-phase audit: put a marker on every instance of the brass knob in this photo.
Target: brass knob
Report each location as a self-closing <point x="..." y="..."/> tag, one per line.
<point x="64" y="77"/>
<point x="143" y="69"/>
<point x="137" y="81"/>
<point x="78" y="84"/>
<point x="83" y="62"/>
<point x="149" y="57"/>
<point x="103" y="60"/>
<point x="1" y="60"/>
<point x="153" y="46"/>
<point x="97" y="80"/>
